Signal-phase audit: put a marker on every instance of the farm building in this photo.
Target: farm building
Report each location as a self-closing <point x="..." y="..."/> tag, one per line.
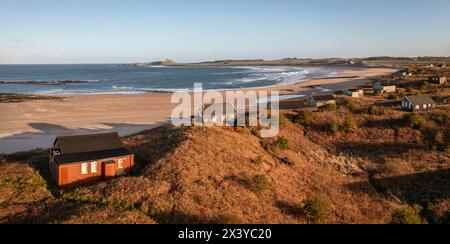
<point x="418" y="103"/>
<point x="218" y="114"/>
<point x="320" y="100"/>
<point x="89" y="158"/>
<point x="438" y="80"/>
<point x="384" y="88"/>
<point x="354" y="92"/>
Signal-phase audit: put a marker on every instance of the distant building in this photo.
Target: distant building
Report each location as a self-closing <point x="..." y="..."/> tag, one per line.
<point x="403" y="73"/>
<point x="418" y="103"/>
<point x="384" y="88"/>
<point x="89" y="158"/>
<point x="291" y="104"/>
<point x="318" y="101"/>
<point x="442" y="66"/>
<point x="220" y="112"/>
<point x="354" y="92"/>
<point x="438" y="80"/>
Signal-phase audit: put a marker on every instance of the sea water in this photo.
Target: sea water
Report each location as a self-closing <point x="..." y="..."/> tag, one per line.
<point x="120" y="79"/>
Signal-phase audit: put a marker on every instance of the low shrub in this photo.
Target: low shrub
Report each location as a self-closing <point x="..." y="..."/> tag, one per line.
<point x="282" y="143"/>
<point x="304" y="118"/>
<point x="414" y="120"/>
<point x="260" y="183"/>
<point x="329" y="108"/>
<point x="349" y="124"/>
<point x="316" y="209"/>
<point x="375" y="110"/>
<point x="406" y="216"/>
<point x="352" y="106"/>
<point x="333" y="127"/>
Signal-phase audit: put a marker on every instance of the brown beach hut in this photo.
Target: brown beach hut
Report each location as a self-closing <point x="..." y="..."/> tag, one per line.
<point x="86" y="159"/>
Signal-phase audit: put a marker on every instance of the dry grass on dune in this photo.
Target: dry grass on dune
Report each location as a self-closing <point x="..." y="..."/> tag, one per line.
<point x="20" y="184"/>
<point x="228" y="175"/>
<point x="381" y="140"/>
<point x="222" y="175"/>
<point x="25" y="198"/>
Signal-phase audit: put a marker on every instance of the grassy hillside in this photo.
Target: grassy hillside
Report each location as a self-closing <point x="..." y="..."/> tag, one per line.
<point x="227" y="175"/>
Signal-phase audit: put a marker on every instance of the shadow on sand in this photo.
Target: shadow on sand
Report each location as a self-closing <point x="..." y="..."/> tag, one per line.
<point x="45" y="134"/>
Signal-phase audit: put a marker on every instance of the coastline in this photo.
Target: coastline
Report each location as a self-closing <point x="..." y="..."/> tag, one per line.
<point x="35" y="123"/>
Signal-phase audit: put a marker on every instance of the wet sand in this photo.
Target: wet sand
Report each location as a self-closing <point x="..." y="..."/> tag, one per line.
<point x="35" y="124"/>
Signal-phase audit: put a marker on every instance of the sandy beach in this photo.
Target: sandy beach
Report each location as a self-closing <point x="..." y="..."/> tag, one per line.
<point x="35" y="124"/>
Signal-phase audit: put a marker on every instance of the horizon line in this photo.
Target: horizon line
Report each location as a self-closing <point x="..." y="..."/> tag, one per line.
<point x="228" y="59"/>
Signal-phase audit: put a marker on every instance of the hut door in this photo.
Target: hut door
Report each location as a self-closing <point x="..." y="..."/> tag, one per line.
<point x="108" y="170"/>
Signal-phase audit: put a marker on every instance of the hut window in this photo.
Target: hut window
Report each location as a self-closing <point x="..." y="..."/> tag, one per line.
<point x="417" y="107"/>
<point x="84" y="169"/>
<point x="94" y="167"/>
<point x="120" y="163"/>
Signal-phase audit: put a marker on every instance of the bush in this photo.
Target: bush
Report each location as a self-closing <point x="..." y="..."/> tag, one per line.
<point x="304" y="118"/>
<point x="414" y="120"/>
<point x="374" y="110"/>
<point x="282" y="143"/>
<point x="330" y="107"/>
<point x="333" y="127"/>
<point x="406" y="216"/>
<point x="349" y="124"/>
<point x="316" y="209"/>
<point x="260" y="183"/>
<point x="350" y="105"/>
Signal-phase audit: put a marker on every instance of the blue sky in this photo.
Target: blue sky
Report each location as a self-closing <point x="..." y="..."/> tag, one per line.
<point x="113" y="31"/>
